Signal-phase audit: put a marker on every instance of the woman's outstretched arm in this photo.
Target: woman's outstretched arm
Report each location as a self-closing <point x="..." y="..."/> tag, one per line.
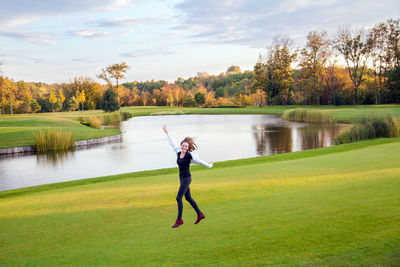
<point x="176" y="148"/>
<point x="197" y="160"/>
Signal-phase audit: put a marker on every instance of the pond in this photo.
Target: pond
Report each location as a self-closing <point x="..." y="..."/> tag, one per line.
<point x="145" y="147"/>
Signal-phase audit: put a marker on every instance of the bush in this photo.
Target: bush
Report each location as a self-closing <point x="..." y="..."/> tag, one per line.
<point x="371" y="127"/>
<point x="308" y="115"/>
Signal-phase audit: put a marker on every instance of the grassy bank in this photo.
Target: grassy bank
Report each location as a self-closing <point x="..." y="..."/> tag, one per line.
<point x="20" y="130"/>
<point x="334" y="206"/>
<point x="345" y="114"/>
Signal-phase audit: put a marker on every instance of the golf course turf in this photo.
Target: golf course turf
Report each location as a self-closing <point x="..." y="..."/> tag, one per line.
<point x="335" y="206"/>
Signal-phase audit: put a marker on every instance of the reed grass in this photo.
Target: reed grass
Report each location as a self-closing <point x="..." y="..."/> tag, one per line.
<point x="95" y="122"/>
<point x="53" y="140"/>
<point x="369" y="128"/>
<point x="112" y="118"/>
<point x="126" y="115"/>
<point x="308" y="115"/>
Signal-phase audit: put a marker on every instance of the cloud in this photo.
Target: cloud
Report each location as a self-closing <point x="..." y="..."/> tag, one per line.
<point x="86" y="33"/>
<point x="126" y="22"/>
<point x="38" y="38"/>
<point x="148" y="52"/>
<point x="255" y="22"/>
<point x="18" y="12"/>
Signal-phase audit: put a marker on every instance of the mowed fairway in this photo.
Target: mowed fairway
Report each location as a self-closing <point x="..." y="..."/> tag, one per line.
<point x="332" y="209"/>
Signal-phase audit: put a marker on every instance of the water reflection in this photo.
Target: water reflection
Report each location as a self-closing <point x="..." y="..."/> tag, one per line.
<point x="277" y="139"/>
<point x="53" y="158"/>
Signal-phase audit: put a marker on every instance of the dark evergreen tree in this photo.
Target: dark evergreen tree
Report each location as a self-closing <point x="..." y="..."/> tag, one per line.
<point x="110" y="101"/>
<point x="200" y="98"/>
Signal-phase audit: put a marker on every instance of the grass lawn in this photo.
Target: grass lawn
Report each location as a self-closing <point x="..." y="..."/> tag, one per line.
<point x="18" y="129"/>
<point x="336" y="206"/>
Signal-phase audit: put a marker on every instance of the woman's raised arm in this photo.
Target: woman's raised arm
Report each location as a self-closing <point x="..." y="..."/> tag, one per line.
<point x="176" y="148"/>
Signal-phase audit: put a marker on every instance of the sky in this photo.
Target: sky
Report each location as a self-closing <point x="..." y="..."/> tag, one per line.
<point x="54" y="41"/>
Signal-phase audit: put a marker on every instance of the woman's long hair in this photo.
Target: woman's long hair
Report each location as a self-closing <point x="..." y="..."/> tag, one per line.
<point x="190" y="141"/>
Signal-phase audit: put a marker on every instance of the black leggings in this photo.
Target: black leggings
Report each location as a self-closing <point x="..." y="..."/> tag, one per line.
<point x="184" y="189"/>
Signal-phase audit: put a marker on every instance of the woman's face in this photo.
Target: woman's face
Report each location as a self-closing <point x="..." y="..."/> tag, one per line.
<point x="184" y="147"/>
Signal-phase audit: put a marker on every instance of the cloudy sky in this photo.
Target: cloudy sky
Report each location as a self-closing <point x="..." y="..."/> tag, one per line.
<point x="54" y="41"/>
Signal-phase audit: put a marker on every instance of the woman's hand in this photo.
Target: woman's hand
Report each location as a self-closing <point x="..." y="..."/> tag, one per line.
<point x="165" y="129"/>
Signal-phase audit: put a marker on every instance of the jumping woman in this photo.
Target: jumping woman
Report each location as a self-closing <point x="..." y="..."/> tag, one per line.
<point x="186" y="153"/>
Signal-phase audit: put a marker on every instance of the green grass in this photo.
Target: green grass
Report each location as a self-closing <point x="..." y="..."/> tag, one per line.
<point x="336" y="206"/>
<point x="19" y="130"/>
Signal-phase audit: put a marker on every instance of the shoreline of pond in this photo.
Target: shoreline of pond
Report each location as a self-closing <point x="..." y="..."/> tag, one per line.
<point x="77" y="143"/>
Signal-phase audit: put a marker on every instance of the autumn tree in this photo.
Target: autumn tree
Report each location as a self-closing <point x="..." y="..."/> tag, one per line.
<point x="355" y="49"/>
<point x="73" y="103"/>
<point x="313" y="60"/>
<point x="61" y="98"/>
<point x="80" y="96"/>
<point x="52" y="99"/>
<point x="115" y="71"/>
<point x="278" y="70"/>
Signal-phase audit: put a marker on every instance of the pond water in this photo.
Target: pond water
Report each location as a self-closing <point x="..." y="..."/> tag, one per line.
<point x="145" y="147"/>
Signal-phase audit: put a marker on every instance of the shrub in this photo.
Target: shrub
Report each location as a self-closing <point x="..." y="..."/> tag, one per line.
<point x="307" y="115"/>
<point x="371" y="127"/>
<point x="53" y="140"/>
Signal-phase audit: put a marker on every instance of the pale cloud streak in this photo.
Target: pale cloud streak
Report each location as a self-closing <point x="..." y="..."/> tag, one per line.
<point x="126" y="22"/>
<point x="254" y="23"/>
<point x="37" y="38"/>
<point x="159" y="51"/>
<point x="19" y="12"/>
<point x="87" y="33"/>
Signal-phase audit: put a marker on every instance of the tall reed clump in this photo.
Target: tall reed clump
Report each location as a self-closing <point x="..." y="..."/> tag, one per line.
<point x="112" y="118"/>
<point x="95" y="122"/>
<point x="53" y="140"/>
<point x="308" y="115"/>
<point x="369" y="128"/>
<point x="125" y="115"/>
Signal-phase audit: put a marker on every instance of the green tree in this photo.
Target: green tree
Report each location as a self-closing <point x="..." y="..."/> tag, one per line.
<point x="200" y="98"/>
<point x="190" y="101"/>
<point x="34" y="106"/>
<point x="73" y="103"/>
<point x="110" y="101"/>
<point x="279" y="69"/>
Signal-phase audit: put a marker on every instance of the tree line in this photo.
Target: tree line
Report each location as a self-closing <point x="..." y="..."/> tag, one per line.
<point x="359" y="66"/>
